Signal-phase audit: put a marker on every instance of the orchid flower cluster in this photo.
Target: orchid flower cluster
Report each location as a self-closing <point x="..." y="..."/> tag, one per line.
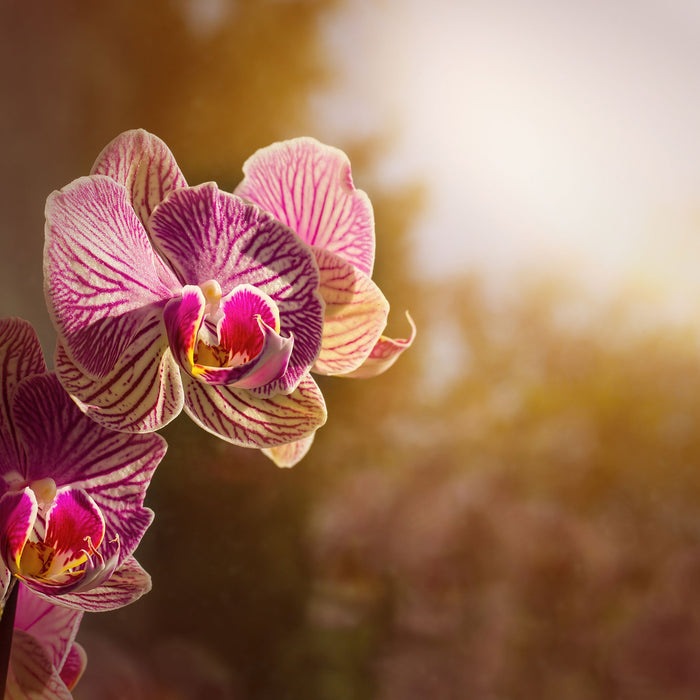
<point x="166" y="297"/>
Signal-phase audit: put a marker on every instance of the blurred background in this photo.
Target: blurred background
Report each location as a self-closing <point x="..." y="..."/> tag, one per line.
<point x="512" y="510"/>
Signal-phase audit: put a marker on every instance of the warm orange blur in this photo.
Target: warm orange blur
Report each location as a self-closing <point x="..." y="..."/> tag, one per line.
<point x="510" y="512"/>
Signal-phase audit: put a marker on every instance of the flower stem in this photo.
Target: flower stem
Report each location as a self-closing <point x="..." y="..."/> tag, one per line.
<point x="7" y="624"/>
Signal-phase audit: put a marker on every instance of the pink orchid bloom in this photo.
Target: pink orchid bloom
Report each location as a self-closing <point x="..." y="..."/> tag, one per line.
<point x="45" y="662"/>
<point x="71" y="491"/>
<point x="167" y="297"/>
<point x="308" y="186"/>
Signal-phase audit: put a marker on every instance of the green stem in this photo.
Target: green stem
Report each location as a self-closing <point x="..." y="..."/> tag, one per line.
<point x="7" y="624"/>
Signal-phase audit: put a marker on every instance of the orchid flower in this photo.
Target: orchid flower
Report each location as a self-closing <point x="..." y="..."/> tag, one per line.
<point x="167" y="297"/>
<point x="71" y="491"/>
<point x="45" y="661"/>
<point x="308" y="186"/>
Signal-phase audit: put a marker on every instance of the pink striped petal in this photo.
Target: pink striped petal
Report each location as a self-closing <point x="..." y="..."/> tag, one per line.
<point x="31" y="674"/>
<point x="126" y="585"/>
<point x="355" y="315"/>
<point x="54" y="626"/>
<point x="290" y="454"/>
<point x="74" y="666"/>
<point x="141" y="394"/>
<point x="18" y="512"/>
<point x="20" y="356"/>
<point x="308" y="186"/>
<point x="144" y="165"/>
<point x="73" y="523"/>
<point x="208" y="235"/>
<point x="239" y="417"/>
<point x="113" y="468"/>
<point x="100" y="272"/>
<point x="384" y="354"/>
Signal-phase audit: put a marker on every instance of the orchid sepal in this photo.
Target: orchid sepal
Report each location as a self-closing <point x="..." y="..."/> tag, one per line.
<point x="384" y="354"/>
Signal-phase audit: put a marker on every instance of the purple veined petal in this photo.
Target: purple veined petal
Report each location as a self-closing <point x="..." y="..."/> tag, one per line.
<point x="73" y="522"/>
<point x="144" y="165"/>
<point x="141" y="394"/>
<point x="206" y="234"/>
<point x="308" y="186"/>
<point x="239" y="417"/>
<point x="290" y="454"/>
<point x="113" y="468"/>
<point x="100" y="274"/>
<point x="74" y="666"/>
<point x="20" y="356"/>
<point x="354" y="318"/>
<point x="384" y="354"/>
<point x="18" y="512"/>
<point x="126" y="585"/>
<point x="31" y="674"/>
<point x="54" y="626"/>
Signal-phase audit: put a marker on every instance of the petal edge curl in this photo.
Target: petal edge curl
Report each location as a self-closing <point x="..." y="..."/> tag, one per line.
<point x="384" y="354"/>
<point x="354" y="317"/>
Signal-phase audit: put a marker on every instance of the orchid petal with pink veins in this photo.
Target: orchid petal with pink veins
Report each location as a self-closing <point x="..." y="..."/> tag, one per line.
<point x="384" y="354"/>
<point x="54" y="626"/>
<point x="20" y="357"/>
<point x="290" y="454"/>
<point x="240" y="417"/>
<point x="354" y="317"/>
<point x="144" y="165"/>
<point x="208" y="235"/>
<point x="31" y="674"/>
<point x="126" y="585"/>
<point x="308" y="186"/>
<point x="101" y="278"/>
<point x="141" y="394"/>
<point x="45" y="661"/>
<point x="71" y="505"/>
<point x="114" y="468"/>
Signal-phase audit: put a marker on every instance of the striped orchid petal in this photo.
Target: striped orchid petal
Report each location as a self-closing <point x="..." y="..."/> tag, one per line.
<point x="101" y="273"/>
<point x="308" y="186"/>
<point x="20" y="357"/>
<point x="142" y="393"/>
<point x="126" y="585"/>
<point x="53" y="626"/>
<point x="355" y="315"/>
<point x="208" y="235"/>
<point x="290" y="454"/>
<point x="113" y="468"/>
<point x="144" y="165"/>
<point x="31" y="674"/>
<point x="240" y="417"/>
<point x="384" y="354"/>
